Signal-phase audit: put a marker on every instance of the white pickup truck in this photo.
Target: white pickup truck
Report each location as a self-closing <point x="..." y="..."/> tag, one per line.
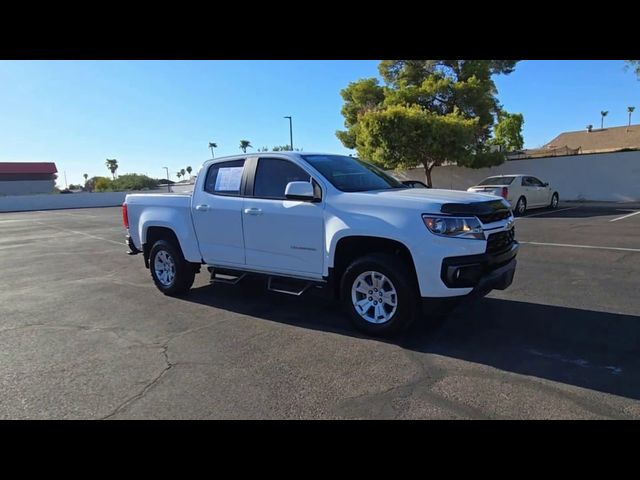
<point x="389" y="252"/>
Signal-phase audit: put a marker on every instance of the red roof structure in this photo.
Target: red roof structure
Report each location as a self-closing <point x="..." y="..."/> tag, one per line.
<point x="27" y="167"/>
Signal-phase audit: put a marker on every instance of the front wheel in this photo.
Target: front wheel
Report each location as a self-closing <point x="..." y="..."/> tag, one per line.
<point x="554" y="201"/>
<point x="378" y="295"/>
<point x="171" y="273"/>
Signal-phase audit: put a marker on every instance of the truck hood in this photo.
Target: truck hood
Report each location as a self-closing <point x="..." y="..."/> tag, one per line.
<point x="422" y="196"/>
<point x="422" y="200"/>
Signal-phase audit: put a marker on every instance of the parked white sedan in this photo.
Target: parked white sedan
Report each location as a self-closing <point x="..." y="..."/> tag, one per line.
<point x="521" y="191"/>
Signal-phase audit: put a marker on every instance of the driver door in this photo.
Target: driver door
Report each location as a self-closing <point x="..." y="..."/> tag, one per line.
<point x="281" y="235"/>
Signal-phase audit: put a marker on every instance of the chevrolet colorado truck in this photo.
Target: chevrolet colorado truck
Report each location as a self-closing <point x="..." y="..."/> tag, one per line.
<point x="389" y="252"/>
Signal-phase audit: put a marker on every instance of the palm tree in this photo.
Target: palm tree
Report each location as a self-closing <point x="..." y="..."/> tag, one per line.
<point x="178" y="174"/>
<point x="212" y="145"/>
<point x="182" y="171"/>
<point x="112" y="165"/>
<point x="630" y="110"/>
<point x="85" y="178"/>
<point x="244" y="144"/>
<point x="603" y="114"/>
<point x="189" y="170"/>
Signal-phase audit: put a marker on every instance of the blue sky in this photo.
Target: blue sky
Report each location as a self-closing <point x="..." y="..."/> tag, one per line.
<point x="151" y="114"/>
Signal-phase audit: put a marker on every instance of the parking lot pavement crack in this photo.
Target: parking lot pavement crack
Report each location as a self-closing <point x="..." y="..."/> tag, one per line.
<point x="146" y="388"/>
<point x="418" y="388"/>
<point x="591" y="405"/>
<point x="87" y="328"/>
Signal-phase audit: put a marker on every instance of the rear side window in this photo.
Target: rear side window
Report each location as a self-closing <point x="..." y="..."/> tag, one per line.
<point x="225" y="178"/>
<point x="272" y="176"/>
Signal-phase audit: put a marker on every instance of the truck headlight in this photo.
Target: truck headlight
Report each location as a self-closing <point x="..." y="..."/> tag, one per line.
<point x="457" y="227"/>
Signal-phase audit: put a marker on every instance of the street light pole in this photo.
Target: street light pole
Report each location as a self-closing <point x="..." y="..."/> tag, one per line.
<point x="168" y="186"/>
<point x="290" y="132"/>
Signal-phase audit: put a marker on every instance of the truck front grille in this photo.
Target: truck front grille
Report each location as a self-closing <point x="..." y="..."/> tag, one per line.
<point x="494" y="216"/>
<point x="500" y="241"/>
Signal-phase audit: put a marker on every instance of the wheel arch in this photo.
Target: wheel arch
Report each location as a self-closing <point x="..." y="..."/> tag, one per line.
<point x="152" y="234"/>
<point x="351" y="247"/>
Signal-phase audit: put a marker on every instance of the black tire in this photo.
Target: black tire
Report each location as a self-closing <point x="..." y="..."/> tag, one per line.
<point x="555" y="201"/>
<point x="407" y="296"/>
<point x="185" y="272"/>
<point x="521" y="207"/>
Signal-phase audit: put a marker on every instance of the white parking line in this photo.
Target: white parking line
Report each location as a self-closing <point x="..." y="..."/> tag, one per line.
<point x="626" y="216"/>
<point x="79" y="233"/>
<point x="546" y="213"/>
<point x="621" y="249"/>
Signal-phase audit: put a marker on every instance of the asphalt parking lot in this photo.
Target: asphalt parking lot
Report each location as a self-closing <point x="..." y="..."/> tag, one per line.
<point x="85" y="334"/>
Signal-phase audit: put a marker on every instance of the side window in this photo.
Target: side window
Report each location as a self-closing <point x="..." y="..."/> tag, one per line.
<point x="224" y="178"/>
<point x="535" y="182"/>
<point x="272" y="176"/>
<point x="526" y="182"/>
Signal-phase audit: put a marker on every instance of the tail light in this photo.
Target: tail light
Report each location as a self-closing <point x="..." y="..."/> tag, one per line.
<point x="125" y="216"/>
<point x="505" y="192"/>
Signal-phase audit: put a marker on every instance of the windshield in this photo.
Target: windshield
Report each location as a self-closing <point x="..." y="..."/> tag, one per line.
<point x="352" y="174"/>
<point x="497" y="181"/>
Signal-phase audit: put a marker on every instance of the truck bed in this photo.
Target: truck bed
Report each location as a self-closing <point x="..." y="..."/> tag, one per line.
<point x="163" y="210"/>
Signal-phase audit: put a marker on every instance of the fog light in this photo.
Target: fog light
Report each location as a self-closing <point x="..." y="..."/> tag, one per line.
<point x="464" y="275"/>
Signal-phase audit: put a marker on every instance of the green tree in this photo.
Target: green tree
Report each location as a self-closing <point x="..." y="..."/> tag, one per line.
<point x="244" y="144"/>
<point x="182" y="171"/>
<point x="630" y="111"/>
<point x="178" y="174"/>
<point x="112" y="166"/>
<point x="103" y="184"/>
<point x="133" y="181"/>
<point x="189" y="170"/>
<point x="508" y="131"/>
<point x="90" y="185"/>
<point x="603" y="114"/>
<point x="85" y="178"/>
<point x="212" y="145"/>
<point x="635" y="66"/>
<point x="284" y="148"/>
<point x="428" y="112"/>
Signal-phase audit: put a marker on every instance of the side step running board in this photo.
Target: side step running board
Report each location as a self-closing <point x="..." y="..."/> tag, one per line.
<point x="289" y="287"/>
<point x="227" y="279"/>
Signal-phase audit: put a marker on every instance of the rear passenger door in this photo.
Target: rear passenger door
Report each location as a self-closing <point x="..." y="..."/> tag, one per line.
<point x="216" y="210"/>
<point x="282" y="235"/>
<point x="530" y="192"/>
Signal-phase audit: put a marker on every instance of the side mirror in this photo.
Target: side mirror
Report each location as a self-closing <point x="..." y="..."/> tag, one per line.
<point x="546" y="184"/>
<point x="299" y="191"/>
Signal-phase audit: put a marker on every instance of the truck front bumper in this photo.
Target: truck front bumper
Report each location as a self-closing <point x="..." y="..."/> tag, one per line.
<point x="493" y="270"/>
<point x="482" y="273"/>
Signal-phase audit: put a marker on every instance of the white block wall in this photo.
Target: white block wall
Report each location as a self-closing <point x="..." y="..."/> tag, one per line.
<point x="597" y="177"/>
<point x="20" y="203"/>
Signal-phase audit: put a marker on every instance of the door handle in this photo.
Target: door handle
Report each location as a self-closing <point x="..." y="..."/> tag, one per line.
<point x="253" y="211"/>
<point x="202" y="208"/>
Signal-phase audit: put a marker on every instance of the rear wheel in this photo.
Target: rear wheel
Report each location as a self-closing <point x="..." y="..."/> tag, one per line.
<point x="379" y="297"/>
<point x="554" y="201"/>
<point x="521" y="206"/>
<point x="171" y="273"/>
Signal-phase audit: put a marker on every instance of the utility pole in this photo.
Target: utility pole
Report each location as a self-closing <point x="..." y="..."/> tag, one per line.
<point x="168" y="185"/>
<point x="290" y="132"/>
